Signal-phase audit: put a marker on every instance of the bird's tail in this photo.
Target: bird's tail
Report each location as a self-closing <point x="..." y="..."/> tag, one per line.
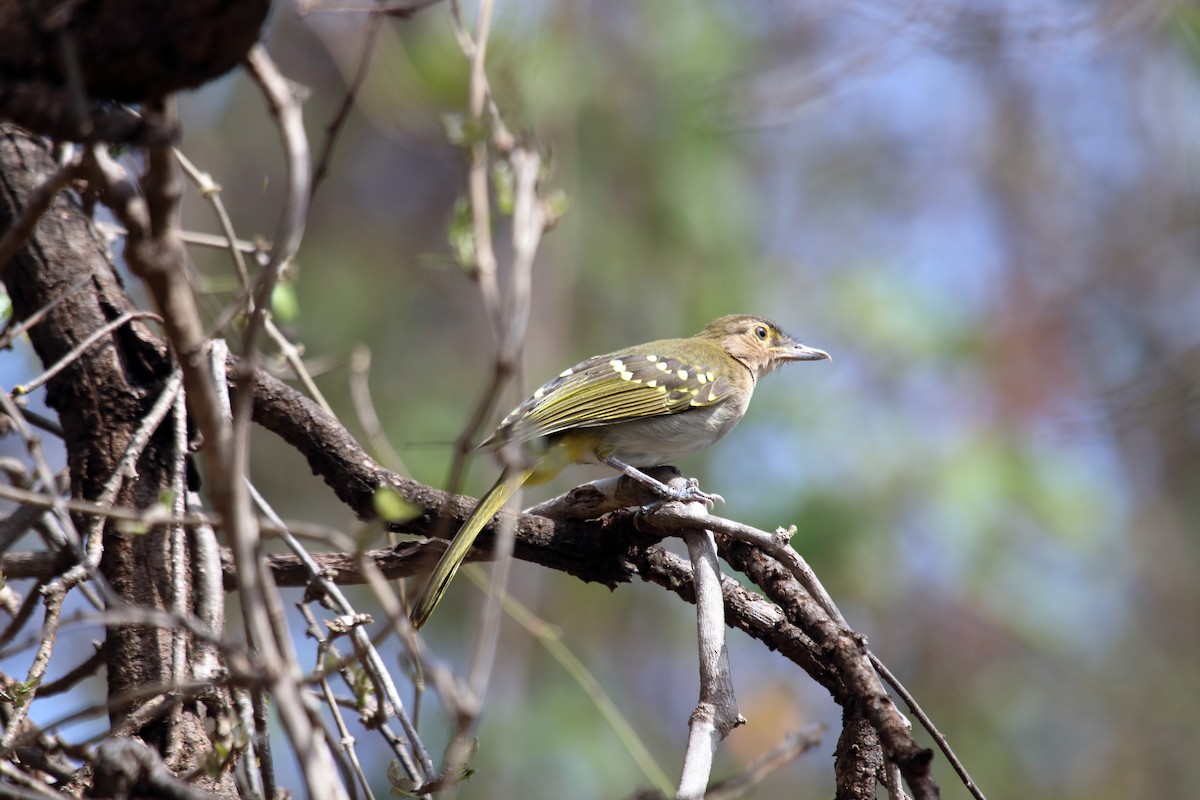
<point x="452" y="559"/>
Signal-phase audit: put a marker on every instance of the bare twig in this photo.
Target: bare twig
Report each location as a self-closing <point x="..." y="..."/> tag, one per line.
<point x="858" y="686"/>
<point x="208" y="602"/>
<point x="16" y="331"/>
<point x="33" y="446"/>
<point x="509" y="316"/>
<point x="214" y="240"/>
<point x="485" y="267"/>
<point x="370" y="39"/>
<point x="549" y="637"/>
<point x="84" y="670"/>
<point x="364" y="408"/>
<point x="716" y="713"/>
<point x="33" y="789"/>
<point x="778" y="546"/>
<point x="927" y="724"/>
<point x="211" y="191"/>
<point x="475" y="49"/>
<point x="892" y="782"/>
<point x="179" y="565"/>
<point x="529" y="222"/>
<point x="158" y="260"/>
<point x="53" y="597"/>
<point x="145" y="517"/>
<point x="40" y="200"/>
<point x="255" y="772"/>
<point x="372" y="661"/>
<point x="261" y="604"/>
<point x="81" y="348"/>
<point x="793" y="745"/>
<point x="326" y="649"/>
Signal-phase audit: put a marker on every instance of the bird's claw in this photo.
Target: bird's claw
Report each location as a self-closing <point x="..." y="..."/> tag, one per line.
<point x="692" y="493"/>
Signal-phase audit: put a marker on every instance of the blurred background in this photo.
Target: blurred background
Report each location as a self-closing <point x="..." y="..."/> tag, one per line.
<point x="987" y="211"/>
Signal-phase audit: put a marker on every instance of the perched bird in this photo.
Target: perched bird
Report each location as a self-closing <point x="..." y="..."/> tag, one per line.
<point x="643" y="406"/>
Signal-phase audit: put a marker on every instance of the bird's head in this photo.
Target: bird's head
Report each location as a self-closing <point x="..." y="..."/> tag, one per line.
<point x="758" y="343"/>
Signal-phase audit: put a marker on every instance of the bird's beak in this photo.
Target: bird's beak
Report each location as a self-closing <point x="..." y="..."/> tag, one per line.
<point x="794" y="351"/>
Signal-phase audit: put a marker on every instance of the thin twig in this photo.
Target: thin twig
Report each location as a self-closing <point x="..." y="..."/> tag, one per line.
<point x="33" y="446"/>
<point x="40" y="199"/>
<point x="345" y="740"/>
<point x="34" y="789"/>
<point x="779" y="547"/>
<point x="81" y="348"/>
<point x="370" y="39"/>
<point x="364" y="408"/>
<point x="252" y="771"/>
<point x="372" y="661"/>
<point x="792" y="746"/>
<point x="285" y="107"/>
<point x="16" y="331"/>
<point x="208" y="601"/>
<point x="475" y="49"/>
<point x="211" y="191"/>
<point x="53" y="598"/>
<point x="200" y="238"/>
<point x="261" y="605"/>
<point x="927" y="723"/>
<point x="549" y="637"/>
<point x="85" y="669"/>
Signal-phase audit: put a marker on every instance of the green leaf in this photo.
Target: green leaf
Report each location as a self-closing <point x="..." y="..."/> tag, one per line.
<point x="462" y="234"/>
<point x="504" y="183"/>
<point x="132" y="527"/>
<point x="285" y="305"/>
<point x="554" y="205"/>
<point x="391" y="507"/>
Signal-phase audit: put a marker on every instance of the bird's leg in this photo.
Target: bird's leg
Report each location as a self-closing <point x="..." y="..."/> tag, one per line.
<point x="691" y="493"/>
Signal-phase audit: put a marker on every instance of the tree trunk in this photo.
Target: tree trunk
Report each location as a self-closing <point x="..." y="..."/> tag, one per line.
<point x="102" y="397"/>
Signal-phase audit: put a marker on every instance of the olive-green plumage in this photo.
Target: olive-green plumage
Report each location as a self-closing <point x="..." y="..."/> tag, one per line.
<point x="643" y="406"/>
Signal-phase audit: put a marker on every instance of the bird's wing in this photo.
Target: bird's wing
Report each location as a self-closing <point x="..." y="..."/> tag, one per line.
<point x="613" y="388"/>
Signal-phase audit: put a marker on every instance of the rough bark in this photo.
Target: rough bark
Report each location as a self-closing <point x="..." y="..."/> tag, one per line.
<point x="100" y="399"/>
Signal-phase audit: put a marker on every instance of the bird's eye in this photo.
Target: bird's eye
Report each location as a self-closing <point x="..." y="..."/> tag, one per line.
<point x="761" y="332"/>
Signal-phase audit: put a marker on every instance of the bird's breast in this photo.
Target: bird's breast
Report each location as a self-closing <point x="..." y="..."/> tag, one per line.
<point x="655" y="441"/>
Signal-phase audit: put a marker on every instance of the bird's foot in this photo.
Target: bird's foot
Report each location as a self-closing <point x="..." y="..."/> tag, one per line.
<point x="691" y="493"/>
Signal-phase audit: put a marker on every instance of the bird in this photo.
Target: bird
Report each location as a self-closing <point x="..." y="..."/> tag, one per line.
<point x="632" y="409"/>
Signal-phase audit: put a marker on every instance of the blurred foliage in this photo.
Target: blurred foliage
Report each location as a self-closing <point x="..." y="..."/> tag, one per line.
<point x="986" y="212"/>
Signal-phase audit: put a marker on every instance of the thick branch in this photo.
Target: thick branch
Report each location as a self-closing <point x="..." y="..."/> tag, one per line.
<point x="859" y="687"/>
